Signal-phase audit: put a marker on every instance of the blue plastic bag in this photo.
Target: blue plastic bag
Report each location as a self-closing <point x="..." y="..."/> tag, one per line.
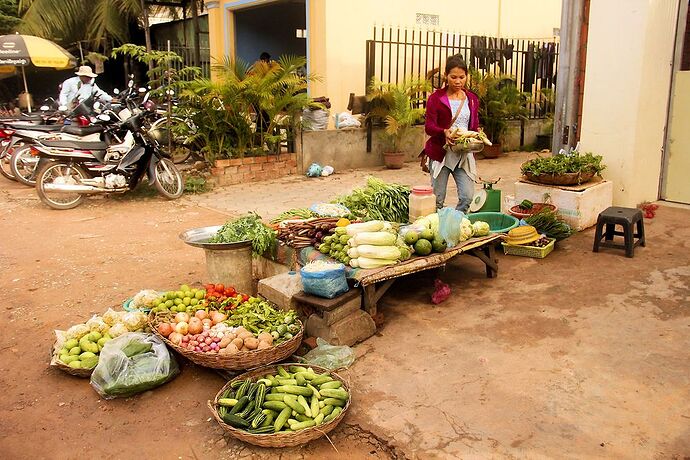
<point x="314" y="170"/>
<point x="449" y="227"/>
<point x="328" y="283"/>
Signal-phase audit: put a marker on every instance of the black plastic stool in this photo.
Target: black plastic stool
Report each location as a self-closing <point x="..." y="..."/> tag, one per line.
<point x="625" y="217"/>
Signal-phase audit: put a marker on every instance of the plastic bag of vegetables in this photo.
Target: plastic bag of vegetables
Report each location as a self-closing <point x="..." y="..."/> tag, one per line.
<point x="132" y="363"/>
<point x="450" y="226"/>
<point x="324" y="279"/>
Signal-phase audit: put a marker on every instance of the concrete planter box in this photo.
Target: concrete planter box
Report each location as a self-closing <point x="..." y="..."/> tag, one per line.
<point x="253" y="169"/>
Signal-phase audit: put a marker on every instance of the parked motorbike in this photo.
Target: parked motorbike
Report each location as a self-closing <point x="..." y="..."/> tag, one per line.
<point x="69" y="170"/>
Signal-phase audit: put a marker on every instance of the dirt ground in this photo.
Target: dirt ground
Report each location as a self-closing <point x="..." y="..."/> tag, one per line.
<point x="580" y="355"/>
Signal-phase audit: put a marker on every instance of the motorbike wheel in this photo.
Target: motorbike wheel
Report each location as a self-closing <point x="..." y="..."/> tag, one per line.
<point x="177" y="150"/>
<point x="168" y="180"/>
<point x="62" y="173"/>
<point x="23" y="165"/>
<point x="5" y="167"/>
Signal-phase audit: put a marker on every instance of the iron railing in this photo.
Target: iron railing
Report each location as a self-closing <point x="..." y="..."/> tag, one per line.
<point x="187" y="55"/>
<point x="397" y="54"/>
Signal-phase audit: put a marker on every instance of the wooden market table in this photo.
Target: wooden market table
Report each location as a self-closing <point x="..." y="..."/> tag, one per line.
<point x="375" y="282"/>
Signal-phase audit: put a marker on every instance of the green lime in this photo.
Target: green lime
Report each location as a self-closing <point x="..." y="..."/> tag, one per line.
<point x="427" y="234"/>
<point x="423" y="247"/>
<point x="200" y="294"/>
<point x="194" y="301"/>
<point x="177" y="301"/>
<point x="184" y="287"/>
<point x="179" y="294"/>
<point x="170" y="295"/>
<point x="169" y="303"/>
<point x="411" y="237"/>
<point x="186" y="300"/>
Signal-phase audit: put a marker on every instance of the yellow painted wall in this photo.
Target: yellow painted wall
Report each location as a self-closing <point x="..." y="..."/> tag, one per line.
<point x="626" y="92"/>
<point x="339" y="29"/>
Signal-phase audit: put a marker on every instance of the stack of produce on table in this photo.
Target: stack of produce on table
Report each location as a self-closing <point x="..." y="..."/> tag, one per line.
<point x="293" y="214"/>
<point x="79" y="346"/>
<point x="190" y="300"/>
<point x="282" y="401"/>
<point x="379" y="201"/>
<point x="330" y="210"/>
<point x="247" y="228"/>
<point x="462" y="140"/>
<point x="375" y="244"/>
<point x="251" y="325"/>
<point x="336" y="245"/>
<point x="424" y="236"/>
<point x="310" y="232"/>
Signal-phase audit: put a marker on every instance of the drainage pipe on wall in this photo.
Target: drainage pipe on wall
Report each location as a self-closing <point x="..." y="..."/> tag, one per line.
<point x="567" y="81"/>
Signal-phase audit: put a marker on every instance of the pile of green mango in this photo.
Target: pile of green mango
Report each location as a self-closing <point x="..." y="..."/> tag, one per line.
<point x="83" y="353"/>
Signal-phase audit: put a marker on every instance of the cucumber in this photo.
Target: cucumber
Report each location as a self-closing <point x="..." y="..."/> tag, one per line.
<point x="262" y="430"/>
<point x="260" y="395"/>
<point x="275" y="397"/>
<point x="282" y="419"/>
<point x="333" y="414"/>
<point x="314" y="391"/>
<point x="275" y="405"/>
<point x="302" y="418"/>
<point x="247" y="410"/>
<point x="268" y="421"/>
<point x="294" y="390"/>
<point x="235" y="421"/>
<point x="242" y="391"/>
<point x="314" y="406"/>
<point x="241" y="404"/>
<point x="258" y="420"/>
<point x="287" y="381"/>
<point x="319" y="419"/>
<point x="299" y="379"/>
<point x="236" y="384"/>
<point x="291" y="401"/>
<point x="253" y="388"/>
<point x="334" y="402"/>
<point x="303" y="403"/>
<point x="339" y="394"/>
<point x="296" y="369"/>
<point x="326" y="410"/>
<point x="332" y="385"/>
<point x="302" y="425"/>
<point x="283" y="373"/>
<point x="320" y="379"/>
<point x="227" y="402"/>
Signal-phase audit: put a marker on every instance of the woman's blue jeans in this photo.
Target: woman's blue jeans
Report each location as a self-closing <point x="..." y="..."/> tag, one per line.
<point x="464" y="184"/>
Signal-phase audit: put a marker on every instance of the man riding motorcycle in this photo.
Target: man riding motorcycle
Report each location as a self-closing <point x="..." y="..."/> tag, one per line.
<point x="77" y="89"/>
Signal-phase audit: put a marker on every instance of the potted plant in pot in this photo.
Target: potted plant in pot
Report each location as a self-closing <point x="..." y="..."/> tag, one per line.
<point x="395" y="107"/>
<point x="545" y="106"/>
<point x="499" y="101"/>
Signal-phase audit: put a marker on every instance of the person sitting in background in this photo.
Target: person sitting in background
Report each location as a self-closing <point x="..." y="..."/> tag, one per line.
<point x="75" y="90"/>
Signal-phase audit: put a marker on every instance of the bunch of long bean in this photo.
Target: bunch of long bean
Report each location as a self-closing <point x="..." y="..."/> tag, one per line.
<point x="379" y="200"/>
<point x="550" y="224"/>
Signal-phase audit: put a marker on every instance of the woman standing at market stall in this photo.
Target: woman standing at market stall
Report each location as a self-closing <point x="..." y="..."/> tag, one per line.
<point x="452" y="106"/>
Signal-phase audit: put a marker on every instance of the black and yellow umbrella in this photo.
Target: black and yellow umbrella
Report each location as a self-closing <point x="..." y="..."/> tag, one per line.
<point x="24" y="50"/>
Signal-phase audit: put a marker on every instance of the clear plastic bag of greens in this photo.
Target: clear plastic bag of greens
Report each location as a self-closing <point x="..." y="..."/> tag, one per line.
<point x="132" y="363"/>
<point x="330" y="356"/>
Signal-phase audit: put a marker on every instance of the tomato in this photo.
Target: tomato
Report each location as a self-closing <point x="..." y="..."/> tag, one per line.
<point x="245" y="297"/>
<point x="219" y="287"/>
<point x="230" y="291"/>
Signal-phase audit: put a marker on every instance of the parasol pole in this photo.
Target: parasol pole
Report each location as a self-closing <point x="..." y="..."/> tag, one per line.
<point x="26" y="90"/>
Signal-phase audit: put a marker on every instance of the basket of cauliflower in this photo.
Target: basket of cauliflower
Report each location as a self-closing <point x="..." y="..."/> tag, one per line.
<point x="77" y="349"/>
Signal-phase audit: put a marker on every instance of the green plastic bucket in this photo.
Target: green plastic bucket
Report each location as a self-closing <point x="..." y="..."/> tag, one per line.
<point x="498" y="222"/>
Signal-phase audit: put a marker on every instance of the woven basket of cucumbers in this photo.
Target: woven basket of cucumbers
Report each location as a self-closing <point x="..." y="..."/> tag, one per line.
<point x="282" y="405"/>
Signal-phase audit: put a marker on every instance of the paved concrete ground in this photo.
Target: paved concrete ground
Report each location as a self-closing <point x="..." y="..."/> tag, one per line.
<point x="579" y="355"/>
<point x="269" y="198"/>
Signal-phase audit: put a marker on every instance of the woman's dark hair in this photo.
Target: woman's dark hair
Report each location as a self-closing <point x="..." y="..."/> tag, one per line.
<point x="456" y="61"/>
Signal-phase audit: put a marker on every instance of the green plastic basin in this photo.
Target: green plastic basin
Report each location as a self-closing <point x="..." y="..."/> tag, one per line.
<point x="498" y="222"/>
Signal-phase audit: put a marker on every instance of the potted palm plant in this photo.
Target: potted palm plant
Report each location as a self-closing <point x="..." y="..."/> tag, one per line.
<point x="396" y="107"/>
<point x="499" y="101"/>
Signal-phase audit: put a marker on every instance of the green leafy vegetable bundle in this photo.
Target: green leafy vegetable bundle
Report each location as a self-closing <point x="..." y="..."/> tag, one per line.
<point x="550" y="224"/>
<point x="247" y="228"/>
<point x="379" y="200"/>
<point x="564" y="163"/>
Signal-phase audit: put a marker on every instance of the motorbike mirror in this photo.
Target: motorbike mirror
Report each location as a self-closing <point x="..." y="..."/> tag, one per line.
<point x="142" y="90"/>
<point x="62" y="108"/>
<point x="44" y="108"/>
<point x="96" y="105"/>
<point x="116" y="91"/>
<point x="104" y="117"/>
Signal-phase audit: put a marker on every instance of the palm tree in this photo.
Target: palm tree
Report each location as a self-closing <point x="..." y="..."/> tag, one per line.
<point x="69" y="21"/>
